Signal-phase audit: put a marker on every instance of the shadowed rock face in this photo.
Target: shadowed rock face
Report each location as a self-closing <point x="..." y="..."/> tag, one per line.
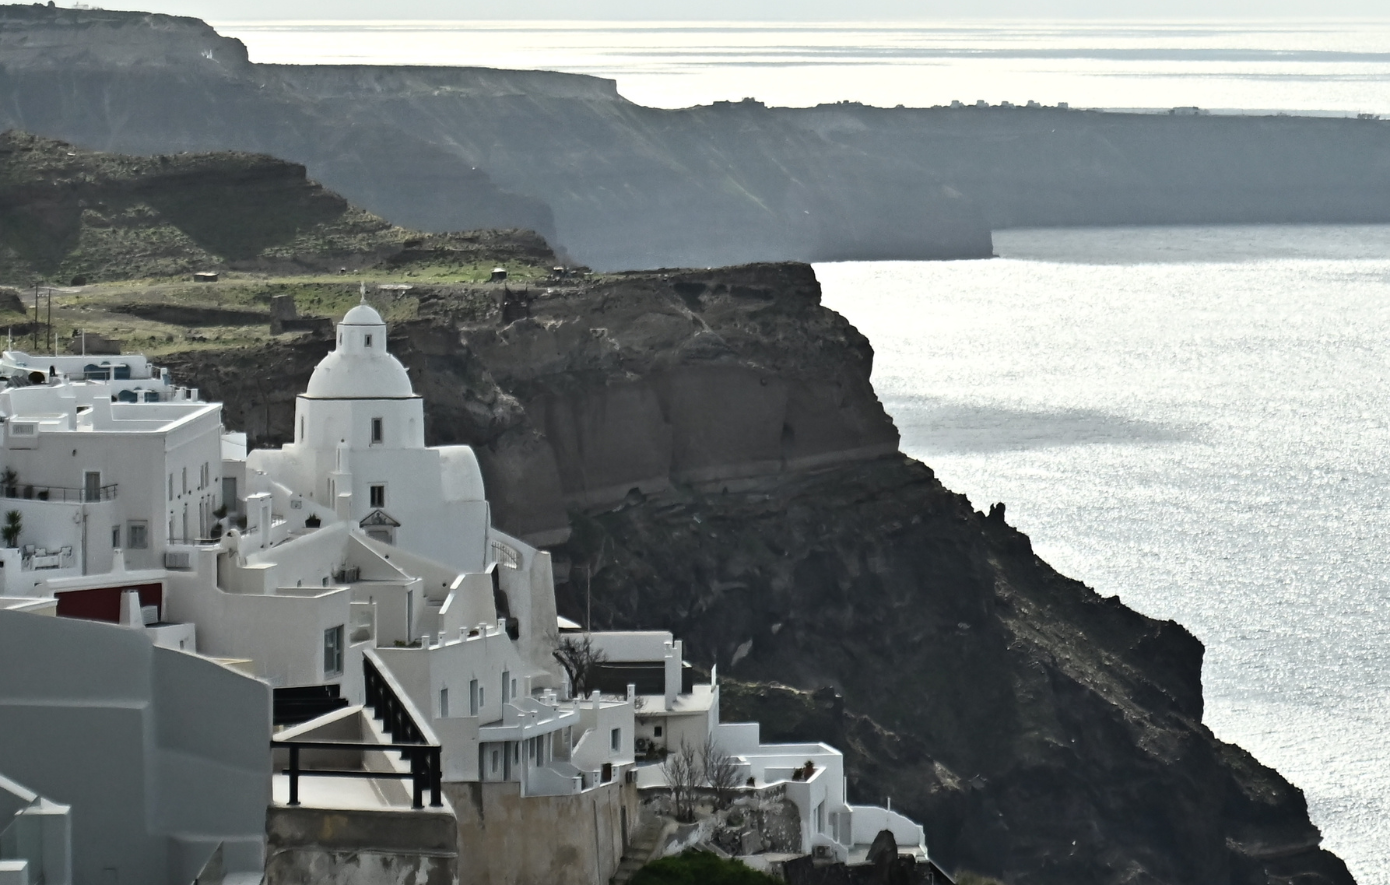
<point x="1042" y="733"/>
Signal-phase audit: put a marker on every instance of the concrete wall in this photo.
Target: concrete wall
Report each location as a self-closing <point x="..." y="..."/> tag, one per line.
<point x="557" y="840"/>
<point x="307" y="846"/>
<point x="160" y="754"/>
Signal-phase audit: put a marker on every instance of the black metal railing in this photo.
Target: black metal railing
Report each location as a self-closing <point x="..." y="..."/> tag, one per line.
<point x="424" y="767"/>
<point x="59" y="494"/>
<point x="408" y="738"/>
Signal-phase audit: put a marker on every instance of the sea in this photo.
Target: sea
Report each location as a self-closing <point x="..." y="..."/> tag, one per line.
<point x="1194" y="418"/>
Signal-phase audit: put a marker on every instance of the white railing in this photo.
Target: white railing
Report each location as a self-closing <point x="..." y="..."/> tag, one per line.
<point x="555" y="779"/>
<point x="867" y="821"/>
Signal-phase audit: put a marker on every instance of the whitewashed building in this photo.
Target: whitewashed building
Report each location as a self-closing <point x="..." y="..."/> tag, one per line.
<point x="356" y="572"/>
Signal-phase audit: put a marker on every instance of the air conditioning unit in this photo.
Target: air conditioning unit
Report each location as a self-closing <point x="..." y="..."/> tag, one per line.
<point x="177" y="559"/>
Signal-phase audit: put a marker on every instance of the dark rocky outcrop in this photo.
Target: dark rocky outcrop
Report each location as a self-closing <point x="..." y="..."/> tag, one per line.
<point x="68" y="213"/>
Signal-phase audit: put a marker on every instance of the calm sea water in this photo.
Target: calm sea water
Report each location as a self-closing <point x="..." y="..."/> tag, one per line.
<point x="1341" y="67"/>
<point x="1198" y="420"/>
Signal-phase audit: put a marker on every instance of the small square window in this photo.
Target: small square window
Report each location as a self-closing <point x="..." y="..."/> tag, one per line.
<point x="367" y="340"/>
<point x="377" y="431"/>
<point x="444" y="703"/>
<point x="615" y="739"/>
<point x="657" y="731"/>
<point x="115" y="536"/>
<point x="137" y="534"/>
<point x="378" y="496"/>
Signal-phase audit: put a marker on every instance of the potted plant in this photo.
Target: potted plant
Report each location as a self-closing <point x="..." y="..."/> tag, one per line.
<point x="9" y="479"/>
<point x="14" y="524"/>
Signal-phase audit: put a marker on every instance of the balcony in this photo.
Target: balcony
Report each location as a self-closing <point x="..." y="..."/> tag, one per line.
<point x="33" y="558"/>
<point x="59" y="494"/>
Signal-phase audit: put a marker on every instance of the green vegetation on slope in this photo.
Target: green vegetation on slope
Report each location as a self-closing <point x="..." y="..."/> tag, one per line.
<point x="699" y="868"/>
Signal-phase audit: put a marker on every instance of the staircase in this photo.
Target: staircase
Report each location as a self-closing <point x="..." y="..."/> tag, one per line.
<point x="641" y="848"/>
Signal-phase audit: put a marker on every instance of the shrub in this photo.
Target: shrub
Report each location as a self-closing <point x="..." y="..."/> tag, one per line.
<point x="699" y="868"/>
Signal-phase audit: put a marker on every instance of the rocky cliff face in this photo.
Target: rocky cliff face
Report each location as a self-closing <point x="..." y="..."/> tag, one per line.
<point x="616" y="184"/>
<point x="714" y="442"/>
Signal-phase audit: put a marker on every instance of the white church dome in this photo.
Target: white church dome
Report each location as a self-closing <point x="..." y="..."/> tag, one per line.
<point x="359" y="366"/>
<point x="362" y="315"/>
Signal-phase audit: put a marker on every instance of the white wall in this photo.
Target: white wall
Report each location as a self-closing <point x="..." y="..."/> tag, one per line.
<point x="156" y="751"/>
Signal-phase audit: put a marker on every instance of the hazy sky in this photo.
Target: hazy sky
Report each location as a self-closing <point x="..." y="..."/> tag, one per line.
<point x="770" y="10"/>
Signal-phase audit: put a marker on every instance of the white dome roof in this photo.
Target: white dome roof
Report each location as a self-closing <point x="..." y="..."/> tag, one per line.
<point x="363" y="315"/>
<point x="359" y="367"/>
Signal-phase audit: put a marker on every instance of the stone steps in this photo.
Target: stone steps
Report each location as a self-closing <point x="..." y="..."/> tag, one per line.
<point x="643" y="844"/>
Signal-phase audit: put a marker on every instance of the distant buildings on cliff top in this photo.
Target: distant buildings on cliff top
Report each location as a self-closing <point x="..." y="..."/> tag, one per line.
<point x="325" y="662"/>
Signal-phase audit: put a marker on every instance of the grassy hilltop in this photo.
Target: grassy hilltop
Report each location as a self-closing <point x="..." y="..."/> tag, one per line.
<point x="117" y="239"/>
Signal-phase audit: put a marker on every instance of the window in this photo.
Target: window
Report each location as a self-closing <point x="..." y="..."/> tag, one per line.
<point x="367" y="339"/>
<point x="115" y="536"/>
<point x="513" y="689"/>
<point x="506" y="682"/>
<point x="137" y="534"/>
<point x="301" y="430"/>
<point x="333" y="651"/>
<point x="376" y="431"/>
<point x="378" y="495"/>
<point x="494" y="761"/>
<point x="473" y="697"/>
<point x="171" y="489"/>
<point x="444" y="703"/>
<point x="185" y="480"/>
<point x="482" y="697"/>
<point x="657" y="731"/>
<point x="615" y="739"/>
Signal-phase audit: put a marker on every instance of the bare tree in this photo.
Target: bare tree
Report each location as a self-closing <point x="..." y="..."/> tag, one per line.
<point x="682" y="770"/>
<point x="580" y="660"/>
<point x="720" y="770"/>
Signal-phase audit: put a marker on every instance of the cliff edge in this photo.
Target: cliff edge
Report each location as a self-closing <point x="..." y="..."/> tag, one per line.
<point x="706" y="446"/>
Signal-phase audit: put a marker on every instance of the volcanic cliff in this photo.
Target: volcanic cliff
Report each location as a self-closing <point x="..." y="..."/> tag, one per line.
<point x="712" y="440"/>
